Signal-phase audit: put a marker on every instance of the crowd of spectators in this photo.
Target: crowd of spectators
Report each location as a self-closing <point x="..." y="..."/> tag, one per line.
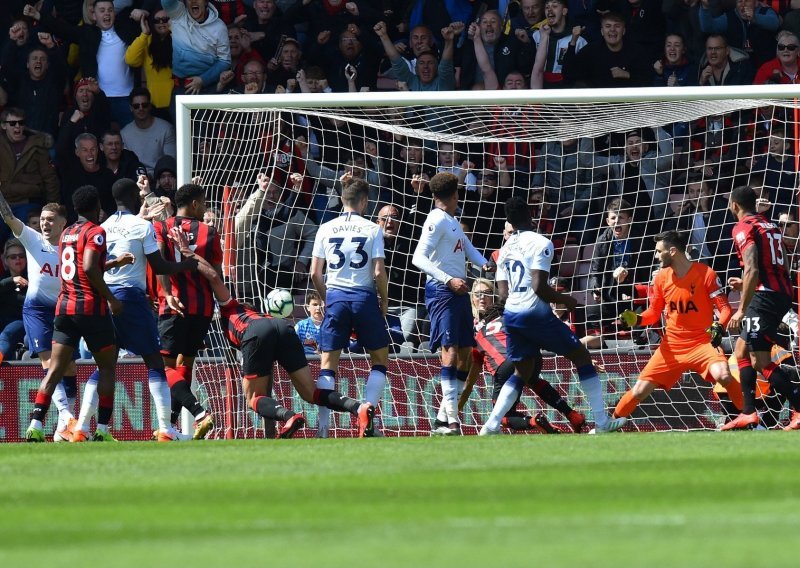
<point x="87" y="92"/>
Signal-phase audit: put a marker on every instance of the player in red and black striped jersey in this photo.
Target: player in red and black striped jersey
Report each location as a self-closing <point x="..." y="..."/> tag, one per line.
<point x="490" y="354"/>
<point x="765" y="299"/>
<point x="82" y="310"/>
<point x="263" y="340"/>
<point x="186" y="302"/>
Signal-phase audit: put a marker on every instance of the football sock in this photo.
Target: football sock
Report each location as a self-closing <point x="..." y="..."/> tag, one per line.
<point x="88" y="403"/>
<point x="747" y="377"/>
<point x="59" y="398"/>
<point x="105" y="408"/>
<point x="376" y="382"/>
<point x="450" y="393"/>
<point x="40" y="408"/>
<point x="734" y="390"/>
<point x="70" y="383"/>
<point x="335" y="401"/>
<point x="182" y="392"/>
<point x="517" y="423"/>
<point x="505" y="400"/>
<point x="269" y="408"/>
<point x="550" y="396"/>
<point x="593" y="389"/>
<point x="159" y="390"/>
<point x="325" y="381"/>
<point x="441" y="416"/>
<point x="626" y="405"/>
<point x="781" y="383"/>
<point x="461" y="383"/>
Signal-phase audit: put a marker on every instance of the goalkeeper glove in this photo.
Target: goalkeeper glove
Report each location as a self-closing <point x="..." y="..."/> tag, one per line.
<point x="629" y="318"/>
<point x="715" y="331"/>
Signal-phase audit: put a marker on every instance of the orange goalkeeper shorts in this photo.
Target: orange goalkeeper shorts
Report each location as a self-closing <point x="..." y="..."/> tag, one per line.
<point x="666" y="366"/>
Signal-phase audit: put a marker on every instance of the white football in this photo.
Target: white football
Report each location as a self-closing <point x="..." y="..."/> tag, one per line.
<point x="280" y="303"/>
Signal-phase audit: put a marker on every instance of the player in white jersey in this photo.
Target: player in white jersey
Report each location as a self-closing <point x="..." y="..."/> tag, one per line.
<point x="39" y="308"/>
<point x="131" y="245"/>
<point x="441" y="254"/>
<point x="349" y="250"/>
<point x="523" y="269"/>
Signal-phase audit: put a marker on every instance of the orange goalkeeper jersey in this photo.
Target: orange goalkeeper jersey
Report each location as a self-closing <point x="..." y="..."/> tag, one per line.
<point x="688" y="304"/>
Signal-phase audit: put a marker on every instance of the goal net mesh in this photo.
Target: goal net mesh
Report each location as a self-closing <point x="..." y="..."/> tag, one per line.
<point x="674" y="163"/>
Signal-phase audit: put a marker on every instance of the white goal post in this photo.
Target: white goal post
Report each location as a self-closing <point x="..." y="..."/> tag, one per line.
<point x="674" y="153"/>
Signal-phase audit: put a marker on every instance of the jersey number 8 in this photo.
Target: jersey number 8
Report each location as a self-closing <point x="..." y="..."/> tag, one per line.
<point x="68" y="268"/>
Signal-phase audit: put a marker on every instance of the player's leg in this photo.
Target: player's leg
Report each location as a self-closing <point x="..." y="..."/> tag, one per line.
<point x="510" y="391"/>
<point x="328" y="364"/>
<point x="551" y="397"/>
<point x="663" y="370"/>
<point x="137" y="332"/>
<point x="181" y="339"/>
<point x="451" y="329"/>
<point x="256" y="393"/>
<point x="61" y="355"/>
<point x="106" y="360"/>
<point x="720" y="372"/>
<point x="261" y="347"/>
<point x="290" y="356"/>
<point x="541" y="326"/>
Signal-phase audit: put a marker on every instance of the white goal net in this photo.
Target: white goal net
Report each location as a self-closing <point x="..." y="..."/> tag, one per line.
<point x="646" y="160"/>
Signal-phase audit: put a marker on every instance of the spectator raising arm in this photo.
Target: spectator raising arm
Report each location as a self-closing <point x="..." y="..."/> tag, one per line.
<point x="490" y="81"/>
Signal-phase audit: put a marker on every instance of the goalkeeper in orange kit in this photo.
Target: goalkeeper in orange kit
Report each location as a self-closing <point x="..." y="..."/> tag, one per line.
<point x="687" y="293"/>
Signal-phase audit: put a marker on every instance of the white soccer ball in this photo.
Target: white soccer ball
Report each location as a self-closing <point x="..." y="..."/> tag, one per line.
<point x="280" y="303"/>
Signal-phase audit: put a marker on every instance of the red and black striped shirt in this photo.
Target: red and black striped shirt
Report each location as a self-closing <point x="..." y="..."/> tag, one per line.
<point x="773" y="262"/>
<point x="491" y="339"/>
<point x="190" y="288"/>
<point x="237" y="318"/>
<point x="78" y="296"/>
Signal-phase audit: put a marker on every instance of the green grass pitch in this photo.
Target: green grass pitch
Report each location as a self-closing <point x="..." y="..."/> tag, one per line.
<point x="698" y="499"/>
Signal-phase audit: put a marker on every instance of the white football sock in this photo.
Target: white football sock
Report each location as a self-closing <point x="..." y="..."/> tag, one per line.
<point x="450" y="400"/>
<point x="88" y="407"/>
<point x="376" y="381"/>
<point x="593" y="389"/>
<point x="505" y="400"/>
<point x="324" y="382"/>
<point x="159" y="390"/>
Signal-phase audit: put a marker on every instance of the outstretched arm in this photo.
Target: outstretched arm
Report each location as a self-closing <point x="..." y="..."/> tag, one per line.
<point x="537" y="73"/>
<point x="490" y="81"/>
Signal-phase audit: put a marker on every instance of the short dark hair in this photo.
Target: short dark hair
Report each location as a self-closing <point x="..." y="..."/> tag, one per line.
<point x="443" y="185"/>
<point x="110" y="132"/>
<point x="85" y="199"/>
<point x="313" y="295"/>
<point x="9" y="111"/>
<point x="612" y="16"/>
<point x="188" y="193"/>
<point x="518" y="212"/>
<point x="124" y="189"/>
<point x="139" y="92"/>
<point x="56" y="208"/>
<point x="620" y="206"/>
<point x="744" y="197"/>
<point x="672" y="239"/>
<point x="354" y="192"/>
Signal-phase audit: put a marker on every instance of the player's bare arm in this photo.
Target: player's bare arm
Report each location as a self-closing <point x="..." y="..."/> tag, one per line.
<point x="546" y="293"/>
<point x="317" y="276"/>
<point x="382" y="284"/>
<point x="8" y="216"/>
<point x="749" y="283"/>
<point x="122" y="260"/>
<point x="160" y="265"/>
<point x="91" y="266"/>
